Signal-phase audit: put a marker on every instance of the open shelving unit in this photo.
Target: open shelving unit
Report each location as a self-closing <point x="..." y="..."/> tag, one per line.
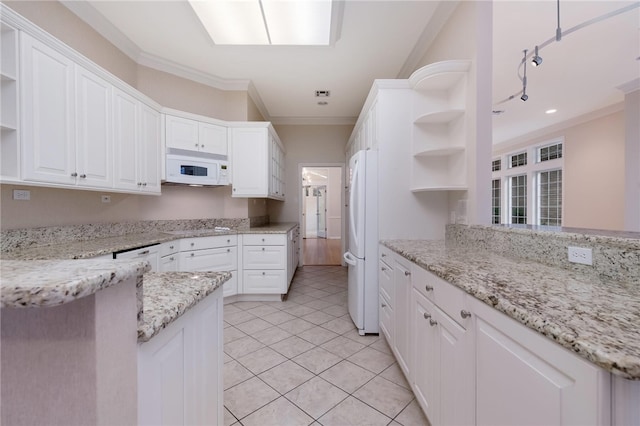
<point x="9" y="147"/>
<point x="439" y="127"/>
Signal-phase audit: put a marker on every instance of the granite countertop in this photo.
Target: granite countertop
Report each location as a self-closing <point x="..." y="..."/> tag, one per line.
<point x="168" y="295"/>
<point x="104" y="246"/>
<point x="38" y="283"/>
<point x="594" y="317"/>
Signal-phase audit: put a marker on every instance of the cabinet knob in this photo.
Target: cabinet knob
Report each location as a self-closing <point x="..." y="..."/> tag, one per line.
<point x="428" y="287"/>
<point x="263" y="240"/>
<point x="465" y="314"/>
<point x="228" y="241"/>
<point x="193" y="244"/>
<point x="263" y="273"/>
<point x="427" y="315"/>
<point x="384" y="255"/>
<point x="384" y="305"/>
<point x="144" y="184"/>
<point x="196" y="145"/>
<point x="139" y="183"/>
<point x="407" y="273"/>
<point x="383" y="269"/>
<point x="433" y="322"/>
<point x="83" y="176"/>
<point x="172" y="258"/>
<point x="74" y="174"/>
<point x="262" y="248"/>
<point x="201" y="146"/>
<point x="171" y="247"/>
<point x="228" y="250"/>
<point x="142" y="253"/>
<point x="193" y="254"/>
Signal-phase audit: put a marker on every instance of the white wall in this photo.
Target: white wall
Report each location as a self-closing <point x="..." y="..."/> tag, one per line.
<point x="334" y="202"/>
<point x="57" y="207"/>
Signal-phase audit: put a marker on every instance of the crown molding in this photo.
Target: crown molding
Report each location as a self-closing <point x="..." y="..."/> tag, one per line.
<point x="311" y="121"/>
<point x="87" y="13"/>
<point x="257" y="100"/>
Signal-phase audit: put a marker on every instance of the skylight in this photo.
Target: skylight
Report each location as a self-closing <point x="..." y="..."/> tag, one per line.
<point x="263" y="22"/>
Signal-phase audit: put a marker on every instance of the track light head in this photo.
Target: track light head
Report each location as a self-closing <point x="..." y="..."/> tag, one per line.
<point x="524" y="97"/>
<point x="537" y="59"/>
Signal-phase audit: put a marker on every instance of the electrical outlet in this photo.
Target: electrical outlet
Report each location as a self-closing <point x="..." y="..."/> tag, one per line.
<point x="580" y="255"/>
<point x="106" y="198"/>
<point x="21" y="194"/>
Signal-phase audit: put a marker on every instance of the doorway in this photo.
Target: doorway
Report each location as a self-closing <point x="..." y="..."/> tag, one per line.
<point x="321" y="214"/>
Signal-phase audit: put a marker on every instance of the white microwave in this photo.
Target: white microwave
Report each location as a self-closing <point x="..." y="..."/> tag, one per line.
<point x="196" y="168"/>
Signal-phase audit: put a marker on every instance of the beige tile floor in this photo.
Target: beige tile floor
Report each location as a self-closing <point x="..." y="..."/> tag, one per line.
<point x="302" y="362"/>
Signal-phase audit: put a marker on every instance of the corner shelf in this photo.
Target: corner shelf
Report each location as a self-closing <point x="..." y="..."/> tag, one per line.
<point x="9" y="147"/>
<point x="439" y="127"/>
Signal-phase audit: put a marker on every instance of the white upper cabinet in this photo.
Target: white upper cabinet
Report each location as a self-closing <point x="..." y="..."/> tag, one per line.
<point x="195" y="135"/>
<point x="79" y="126"/>
<point x="48" y="137"/>
<point x="257" y="162"/>
<point x="93" y="130"/>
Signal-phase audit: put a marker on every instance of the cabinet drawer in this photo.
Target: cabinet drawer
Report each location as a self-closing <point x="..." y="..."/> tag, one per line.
<point x="200" y="243"/>
<point x="263" y="257"/>
<point x="169" y="263"/>
<point x="264" y="239"/>
<point x="218" y="259"/>
<point x="386" y="254"/>
<point x="268" y="282"/>
<point x="385" y="274"/>
<point x="446" y="296"/>
<point x="170" y="247"/>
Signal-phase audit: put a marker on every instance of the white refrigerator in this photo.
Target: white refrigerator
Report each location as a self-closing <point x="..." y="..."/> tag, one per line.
<point x="362" y="254"/>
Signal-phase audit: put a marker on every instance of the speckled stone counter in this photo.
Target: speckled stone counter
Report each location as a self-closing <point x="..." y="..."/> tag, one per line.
<point x="100" y="246"/>
<point x="168" y="295"/>
<point x="595" y="317"/>
<point x="41" y="283"/>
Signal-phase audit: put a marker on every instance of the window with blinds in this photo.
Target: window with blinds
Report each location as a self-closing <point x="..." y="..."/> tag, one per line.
<point x="550" y="197"/>
<point x="518" y="205"/>
<point x="495" y="201"/>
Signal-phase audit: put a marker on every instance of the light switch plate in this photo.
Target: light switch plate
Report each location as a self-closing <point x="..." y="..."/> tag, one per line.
<point x="581" y="255"/>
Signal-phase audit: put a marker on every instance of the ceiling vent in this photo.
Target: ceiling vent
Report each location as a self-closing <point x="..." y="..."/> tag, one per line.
<point x="322" y="93"/>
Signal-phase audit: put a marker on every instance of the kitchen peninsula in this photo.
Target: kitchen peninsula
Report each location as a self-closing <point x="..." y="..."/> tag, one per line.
<point x="100" y="333"/>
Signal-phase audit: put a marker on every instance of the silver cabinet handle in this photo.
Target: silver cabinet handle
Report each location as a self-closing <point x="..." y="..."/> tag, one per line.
<point x="465" y="314"/>
<point x="383" y="305"/>
<point x="428" y="287"/>
<point x="433" y="322"/>
<point x="193" y="244"/>
<point x="427" y="315"/>
<point x="83" y="176"/>
<point x="142" y="253"/>
<point x="407" y="273"/>
<point x="144" y="184"/>
<point x="171" y="247"/>
<point x="172" y="258"/>
<point x="384" y="255"/>
<point x="139" y="183"/>
<point x="193" y="254"/>
<point x="383" y="269"/>
<point x="74" y="174"/>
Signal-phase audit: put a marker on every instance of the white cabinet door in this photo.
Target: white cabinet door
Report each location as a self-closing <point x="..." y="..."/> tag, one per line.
<point x="425" y="369"/>
<point x="149" y="149"/>
<point x="230" y="287"/>
<point x="249" y="170"/>
<point x="213" y="138"/>
<point x="94" y="149"/>
<point x="48" y="127"/>
<point x="125" y="124"/>
<point x="402" y="310"/>
<point x="181" y="133"/>
<point x="524" y="378"/>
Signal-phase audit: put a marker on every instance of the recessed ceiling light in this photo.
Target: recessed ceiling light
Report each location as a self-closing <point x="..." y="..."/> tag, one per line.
<point x="551" y="111"/>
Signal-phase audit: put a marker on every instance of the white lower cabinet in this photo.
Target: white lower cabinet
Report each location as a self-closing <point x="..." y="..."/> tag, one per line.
<point x="264" y="264"/>
<point x="219" y="253"/>
<point x="150" y="254"/>
<point x="471" y="364"/>
<point x="169" y="256"/>
<point x="180" y="369"/>
<point x="524" y="378"/>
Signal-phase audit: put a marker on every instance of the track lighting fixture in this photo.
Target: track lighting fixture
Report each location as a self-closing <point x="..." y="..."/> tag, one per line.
<point x="537" y="59"/>
<point x="524" y="96"/>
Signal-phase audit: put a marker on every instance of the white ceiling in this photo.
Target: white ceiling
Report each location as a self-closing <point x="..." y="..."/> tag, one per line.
<point x="384" y="39"/>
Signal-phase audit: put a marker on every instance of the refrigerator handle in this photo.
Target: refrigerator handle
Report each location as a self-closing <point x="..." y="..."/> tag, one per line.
<point x="352" y="195"/>
<point x="348" y="257"/>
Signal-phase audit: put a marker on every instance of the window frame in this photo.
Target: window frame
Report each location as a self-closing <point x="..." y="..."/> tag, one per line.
<point x="532" y="170"/>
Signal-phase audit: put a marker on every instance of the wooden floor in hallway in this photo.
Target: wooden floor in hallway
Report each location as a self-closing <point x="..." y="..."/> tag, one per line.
<point x="322" y="251"/>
